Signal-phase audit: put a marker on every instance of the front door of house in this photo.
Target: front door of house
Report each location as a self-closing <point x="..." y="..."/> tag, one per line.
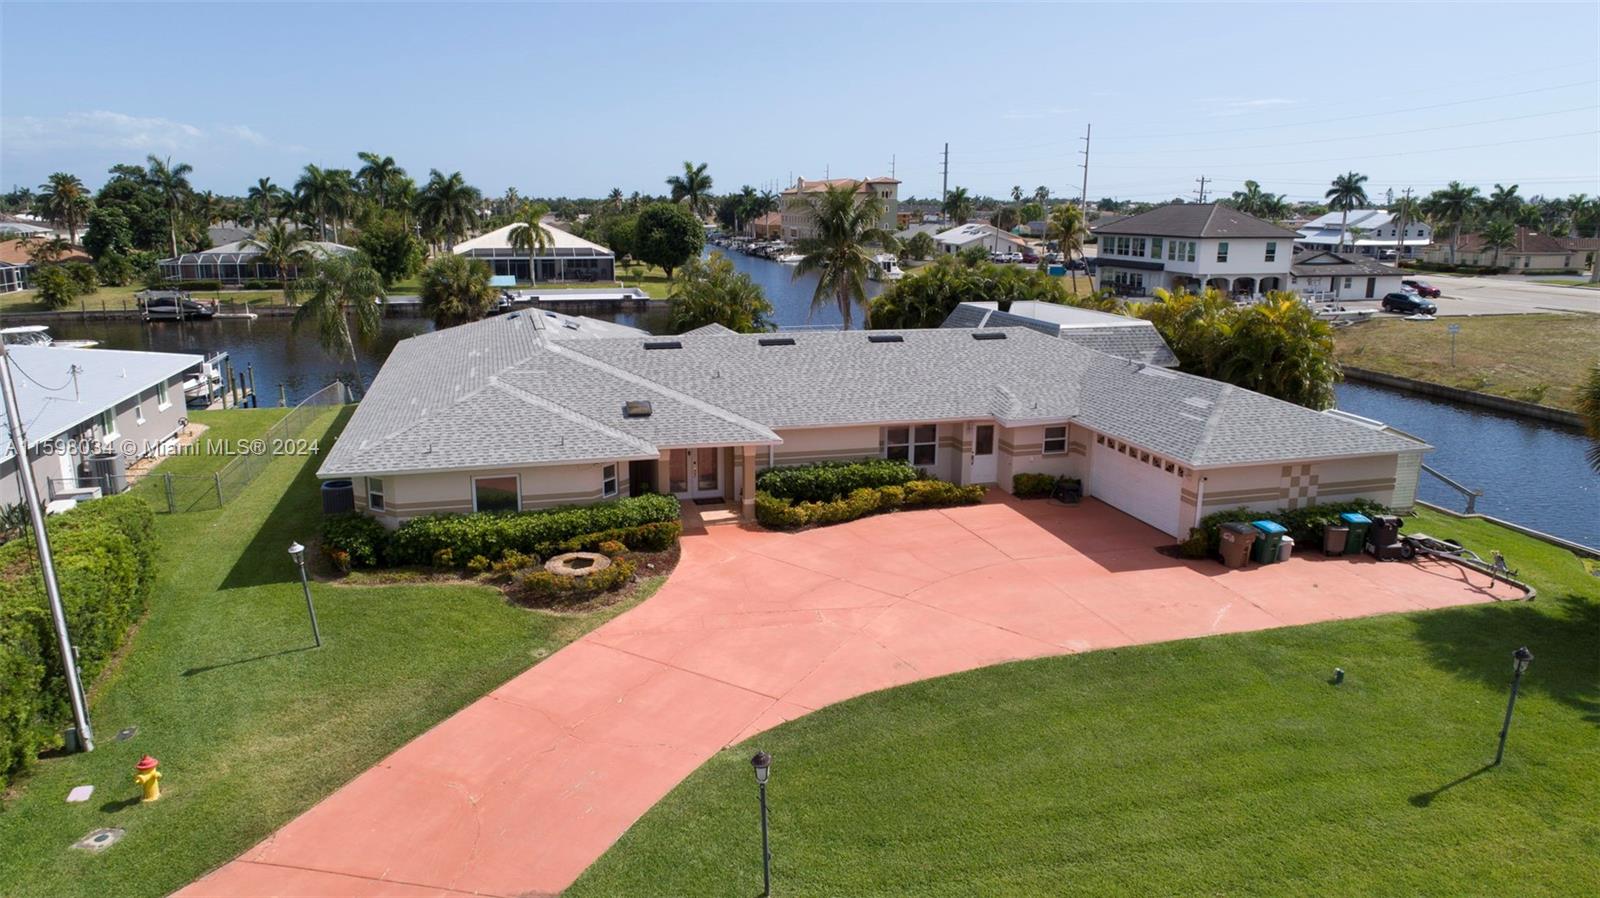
<point x="694" y="473"/>
<point x="1372" y="287"/>
<point x="984" y="468"/>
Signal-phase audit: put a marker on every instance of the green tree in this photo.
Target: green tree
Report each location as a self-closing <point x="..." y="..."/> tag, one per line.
<point x="693" y="187"/>
<point x="263" y="199"/>
<point x="844" y="224"/>
<point x="1504" y="201"/>
<point x="529" y="235"/>
<point x="65" y="201"/>
<point x="1347" y="192"/>
<point x="455" y="290"/>
<point x="919" y="246"/>
<point x="1067" y="229"/>
<point x="927" y="298"/>
<point x="281" y="247"/>
<point x="395" y="253"/>
<point x="714" y="292"/>
<point x="54" y="287"/>
<point x="342" y="298"/>
<point x="617" y="235"/>
<point x="378" y="176"/>
<point x="1005" y="218"/>
<point x="1455" y="204"/>
<point x="667" y="235"/>
<point x="446" y="207"/>
<point x="108" y="232"/>
<point x="172" y="183"/>
<point x="114" y="269"/>
<point x="957" y="205"/>
<point x="1589" y="408"/>
<point x="1498" y="235"/>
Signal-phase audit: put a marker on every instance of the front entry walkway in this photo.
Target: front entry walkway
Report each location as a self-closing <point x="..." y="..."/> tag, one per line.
<point x="521" y="791"/>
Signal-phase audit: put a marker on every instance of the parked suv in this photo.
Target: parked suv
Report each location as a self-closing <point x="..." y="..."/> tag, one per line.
<point x="1422" y="288"/>
<point x="1407" y="304"/>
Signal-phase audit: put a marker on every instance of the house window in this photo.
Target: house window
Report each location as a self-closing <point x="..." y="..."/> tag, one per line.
<point x="163" y="402"/>
<point x="1222" y="251"/>
<point x="914" y="444"/>
<point x="1189" y="252"/>
<point x="1172" y="251"/>
<point x="108" y="424"/>
<point x="608" y="481"/>
<point x="1055" y="440"/>
<point x="375" y="493"/>
<point x="138" y="410"/>
<point x="1347" y="283"/>
<point x="1138" y="247"/>
<point x="500" y="493"/>
<point x="1272" y="250"/>
<point x="1155" y="247"/>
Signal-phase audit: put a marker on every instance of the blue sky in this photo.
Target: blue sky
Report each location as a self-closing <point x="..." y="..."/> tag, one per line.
<point x="575" y="99"/>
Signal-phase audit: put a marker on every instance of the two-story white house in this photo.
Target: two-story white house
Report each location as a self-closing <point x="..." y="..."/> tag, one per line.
<point x="1370" y="232"/>
<point x="1191" y="246"/>
<point x="796" y="211"/>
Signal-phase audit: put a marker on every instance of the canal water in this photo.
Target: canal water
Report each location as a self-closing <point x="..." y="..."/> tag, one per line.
<point x="1530" y="472"/>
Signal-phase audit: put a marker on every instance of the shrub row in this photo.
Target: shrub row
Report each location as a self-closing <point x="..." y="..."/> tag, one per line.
<point x="1304" y="524"/>
<point x="201" y="285"/>
<point x="786" y="514"/>
<point x="827" y="481"/>
<point x="105" y="554"/>
<point x="541" y="584"/>
<point x="1037" y="486"/>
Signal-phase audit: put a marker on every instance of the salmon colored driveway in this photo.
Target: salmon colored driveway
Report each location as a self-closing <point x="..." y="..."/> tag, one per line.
<point x="519" y="792"/>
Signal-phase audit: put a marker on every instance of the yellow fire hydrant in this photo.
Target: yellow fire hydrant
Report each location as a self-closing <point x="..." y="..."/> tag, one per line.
<point x="148" y="778"/>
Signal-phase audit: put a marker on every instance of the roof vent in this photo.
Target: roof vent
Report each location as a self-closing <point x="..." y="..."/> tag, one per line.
<point x="636" y="408"/>
<point x="885" y="338"/>
<point x="988" y="335"/>
<point x="776" y="341"/>
<point x="664" y="344"/>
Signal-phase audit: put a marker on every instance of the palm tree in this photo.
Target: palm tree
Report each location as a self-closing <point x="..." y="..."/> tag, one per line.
<point x="263" y="198"/>
<point x="455" y="290"/>
<point x="1016" y="194"/>
<point x="65" y="201"/>
<point x="957" y="205"/>
<point x="1041" y="194"/>
<point x="844" y="222"/>
<point x="713" y="292"/>
<point x="1067" y="229"/>
<point x="340" y="290"/>
<point x="693" y="185"/>
<point x="282" y="248"/>
<point x="447" y="206"/>
<point x="1260" y="203"/>
<point x="314" y="191"/>
<point x="1498" y="235"/>
<point x="615" y="199"/>
<point x="341" y="197"/>
<point x="1454" y="205"/>
<point x="209" y="207"/>
<point x="1504" y="201"/>
<point x="172" y="182"/>
<point x="1589" y="408"/>
<point x="1346" y="193"/>
<point x="529" y="235"/>
<point x="378" y="176"/>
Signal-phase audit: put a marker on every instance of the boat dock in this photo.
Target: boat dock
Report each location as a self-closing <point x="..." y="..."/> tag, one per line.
<point x="586" y="300"/>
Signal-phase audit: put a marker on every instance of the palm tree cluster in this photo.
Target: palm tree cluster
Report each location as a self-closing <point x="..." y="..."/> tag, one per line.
<point x="738" y="209"/>
<point x="1252" y="200"/>
<point x="714" y="292"/>
<point x="692" y="187"/>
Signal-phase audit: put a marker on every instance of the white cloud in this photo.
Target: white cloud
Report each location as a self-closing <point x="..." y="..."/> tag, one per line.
<point x="105" y="130"/>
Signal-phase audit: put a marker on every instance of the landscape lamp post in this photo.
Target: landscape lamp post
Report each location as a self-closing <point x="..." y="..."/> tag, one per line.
<point x="1520" y="659"/>
<point x="762" y="763"/>
<point x="298" y="553"/>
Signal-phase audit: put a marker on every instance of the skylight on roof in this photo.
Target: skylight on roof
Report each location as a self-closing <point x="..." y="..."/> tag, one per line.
<point x="988" y="335"/>
<point x="885" y="338"/>
<point x="636" y="408"/>
<point x="776" y="341"/>
<point x="664" y="344"/>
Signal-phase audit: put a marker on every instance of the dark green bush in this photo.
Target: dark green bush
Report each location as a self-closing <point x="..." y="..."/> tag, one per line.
<point x="1304" y="524"/>
<point x="261" y="285"/>
<point x="540" y="584"/>
<point x="212" y="285"/>
<point x="542" y="533"/>
<point x="787" y="514"/>
<point x="359" y="537"/>
<point x="105" y="564"/>
<point x="655" y="537"/>
<point x="827" y="481"/>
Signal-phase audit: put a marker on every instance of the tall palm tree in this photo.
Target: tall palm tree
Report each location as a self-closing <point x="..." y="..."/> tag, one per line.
<point x="528" y="234"/>
<point x="844" y="223"/>
<point x="1498" y="235"/>
<point x="1041" y="194"/>
<point x="263" y="199"/>
<point x="282" y="248"/>
<point x="1066" y="227"/>
<point x="378" y="176"/>
<point x="314" y="191"/>
<point x="694" y="185"/>
<point x="208" y="206"/>
<point x="338" y="292"/>
<point x="1454" y="204"/>
<point x="1347" y="192"/>
<point x="342" y="196"/>
<point x="1016" y="194"/>
<point x="447" y="206"/>
<point x="65" y="201"/>
<point x="957" y="205"/>
<point x="1504" y="201"/>
<point x="172" y="182"/>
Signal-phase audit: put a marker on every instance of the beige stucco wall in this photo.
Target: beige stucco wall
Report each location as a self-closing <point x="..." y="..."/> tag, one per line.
<point x="1270" y="487"/>
<point x="803" y="445"/>
<point x="411" y="495"/>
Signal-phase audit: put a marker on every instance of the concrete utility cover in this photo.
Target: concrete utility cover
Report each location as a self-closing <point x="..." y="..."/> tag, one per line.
<point x="80" y="793"/>
<point x="100" y="839"/>
<point x="125" y="734"/>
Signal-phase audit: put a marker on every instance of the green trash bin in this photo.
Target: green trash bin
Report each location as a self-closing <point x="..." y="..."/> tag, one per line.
<point x="1359" y="524"/>
<point x="1265" y="549"/>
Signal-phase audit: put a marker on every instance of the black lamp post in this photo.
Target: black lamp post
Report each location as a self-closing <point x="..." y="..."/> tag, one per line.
<point x="1520" y="659"/>
<point x="762" y="763"/>
<point x="298" y="553"/>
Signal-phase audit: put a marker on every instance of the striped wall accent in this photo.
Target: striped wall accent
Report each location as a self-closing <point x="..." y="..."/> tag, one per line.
<point x="806" y="456"/>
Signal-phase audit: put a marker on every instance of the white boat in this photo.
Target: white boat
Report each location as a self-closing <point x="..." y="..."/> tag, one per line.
<point x="885" y="267"/>
<point x="789" y="258"/>
<point x="39" y="335"/>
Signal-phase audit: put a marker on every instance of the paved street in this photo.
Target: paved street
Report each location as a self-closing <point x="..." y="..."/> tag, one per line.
<point x="1507" y="296"/>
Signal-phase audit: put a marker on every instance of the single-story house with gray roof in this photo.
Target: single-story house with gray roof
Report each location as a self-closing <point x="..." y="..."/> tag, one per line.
<point x="1118" y="335"/>
<point x="498" y="415"/>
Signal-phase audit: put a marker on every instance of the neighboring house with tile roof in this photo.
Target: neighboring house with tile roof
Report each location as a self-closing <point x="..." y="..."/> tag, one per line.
<point x="767" y="227"/>
<point x="1530" y="251"/>
<point x="1192" y="246"/>
<point x="499" y="414"/>
<point x="1333" y="276"/>
<point x="795" y="213"/>
<point x="1118" y="335"/>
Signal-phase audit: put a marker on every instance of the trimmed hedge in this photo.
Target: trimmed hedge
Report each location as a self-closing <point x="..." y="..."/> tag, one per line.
<point x="831" y="480"/>
<point x="105" y="554"/>
<point x="1037" y="486"/>
<point x="1304" y="524"/>
<point x="542" y="533"/>
<point x="200" y="285"/>
<point x="353" y="540"/>
<point x="785" y="514"/>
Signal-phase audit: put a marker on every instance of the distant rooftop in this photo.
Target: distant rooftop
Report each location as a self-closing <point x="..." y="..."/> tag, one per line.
<point x="53" y="398"/>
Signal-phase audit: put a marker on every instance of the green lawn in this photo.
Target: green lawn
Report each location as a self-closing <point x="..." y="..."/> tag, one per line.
<point x="113" y="298"/>
<point x="253" y="725"/>
<point x="1567" y="282"/>
<point x="1535" y="358"/>
<point x="1220" y="766"/>
<point x="649" y="278"/>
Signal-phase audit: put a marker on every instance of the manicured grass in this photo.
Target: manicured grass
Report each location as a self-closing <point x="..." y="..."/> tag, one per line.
<point x="1568" y="282"/>
<point x="252" y="724"/>
<point x="1221" y="766"/>
<point x="122" y="298"/>
<point x="1535" y="358"/>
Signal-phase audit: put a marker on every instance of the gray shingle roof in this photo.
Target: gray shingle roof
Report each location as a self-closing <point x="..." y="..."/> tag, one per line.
<point x="1128" y="338"/>
<point x="497" y="393"/>
<point x="1327" y="263"/>
<point x="1196" y="220"/>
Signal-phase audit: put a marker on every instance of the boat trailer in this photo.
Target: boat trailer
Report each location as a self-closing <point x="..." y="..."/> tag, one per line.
<point x="1414" y="544"/>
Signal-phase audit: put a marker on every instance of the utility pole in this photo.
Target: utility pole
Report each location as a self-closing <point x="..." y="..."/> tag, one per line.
<point x="1202" y="181"/>
<point x="891" y="165"/>
<point x="58" y="615"/>
<point x="1083" y="196"/>
<point x="945" y="197"/>
<point x="1400" y="235"/>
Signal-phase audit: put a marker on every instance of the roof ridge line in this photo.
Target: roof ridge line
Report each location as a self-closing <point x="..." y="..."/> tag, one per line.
<point x="641" y="380"/>
<point x="577" y="418"/>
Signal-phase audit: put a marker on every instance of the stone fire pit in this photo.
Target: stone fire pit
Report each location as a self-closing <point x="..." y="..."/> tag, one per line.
<point x="577" y="564"/>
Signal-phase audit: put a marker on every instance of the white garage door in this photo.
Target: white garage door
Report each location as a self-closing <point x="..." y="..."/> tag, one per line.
<point x="1136" y="482"/>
